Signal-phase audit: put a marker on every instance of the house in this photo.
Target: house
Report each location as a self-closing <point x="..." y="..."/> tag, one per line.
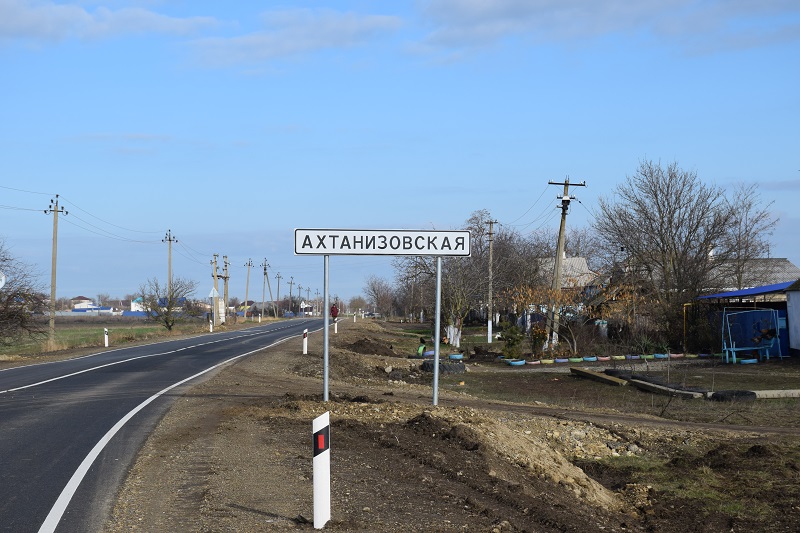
<point x="82" y="302"/>
<point x="754" y="273"/>
<point x="575" y="272"/>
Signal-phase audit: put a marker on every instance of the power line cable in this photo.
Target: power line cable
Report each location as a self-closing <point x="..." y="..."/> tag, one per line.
<point x="107" y="235"/>
<point x="76" y="206"/>
<point x="29" y="192"/>
<point x="14" y="208"/>
<point x="529" y="209"/>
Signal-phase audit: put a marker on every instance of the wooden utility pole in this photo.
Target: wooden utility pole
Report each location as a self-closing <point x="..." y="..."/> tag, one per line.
<point x="299" y="297"/>
<point x="269" y="287"/>
<point x="247" y="287"/>
<point x="553" y="321"/>
<point x="215" y="302"/>
<point x="278" y="297"/>
<point x="490" y="317"/>
<point x="225" y="277"/>
<point x="55" y="210"/>
<point x="169" y="239"/>
<point x="290" y="282"/>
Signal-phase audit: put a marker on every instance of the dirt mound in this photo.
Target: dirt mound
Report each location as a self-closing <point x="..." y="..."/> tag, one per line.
<point x="372" y="347"/>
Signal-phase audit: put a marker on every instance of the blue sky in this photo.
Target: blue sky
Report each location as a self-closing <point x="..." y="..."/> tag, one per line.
<point x="232" y="123"/>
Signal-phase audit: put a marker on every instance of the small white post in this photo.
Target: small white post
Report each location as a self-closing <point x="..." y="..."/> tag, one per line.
<point x="354" y="317"/>
<point x="305" y="342"/>
<point x="105" y="330"/>
<point x="336" y="325"/>
<point x="211" y="326"/>
<point x="322" y="469"/>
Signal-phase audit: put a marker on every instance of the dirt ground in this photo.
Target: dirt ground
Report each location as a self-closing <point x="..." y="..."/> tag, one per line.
<point x="234" y="454"/>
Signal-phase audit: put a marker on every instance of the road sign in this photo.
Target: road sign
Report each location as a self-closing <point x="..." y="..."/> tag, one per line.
<point x="2" y="280"/>
<point x="381" y="242"/>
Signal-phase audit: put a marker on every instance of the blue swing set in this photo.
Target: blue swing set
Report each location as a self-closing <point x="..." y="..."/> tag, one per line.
<point x="749" y="331"/>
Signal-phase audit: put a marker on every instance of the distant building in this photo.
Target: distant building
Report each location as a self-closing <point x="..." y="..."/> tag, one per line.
<point x="82" y="302"/>
<point x="756" y="273"/>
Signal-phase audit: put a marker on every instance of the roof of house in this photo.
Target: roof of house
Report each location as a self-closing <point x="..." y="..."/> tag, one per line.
<point x="81" y="298"/>
<point x="753" y="291"/>
<point x="760" y="272"/>
<point x="575" y="271"/>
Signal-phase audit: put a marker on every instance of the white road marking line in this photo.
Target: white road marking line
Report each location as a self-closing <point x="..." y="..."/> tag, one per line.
<point x="60" y="506"/>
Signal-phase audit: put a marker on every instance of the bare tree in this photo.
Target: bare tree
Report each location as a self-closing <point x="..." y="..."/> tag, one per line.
<point x="356" y="303"/>
<point x="380" y="294"/>
<point x="169" y="306"/>
<point x="20" y="299"/>
<point x="747" y="236"/>
<point x="667" y="223"/>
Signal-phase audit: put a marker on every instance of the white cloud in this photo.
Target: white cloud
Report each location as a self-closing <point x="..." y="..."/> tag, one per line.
<point x="45" y="22"/>
<point x="295" y="32"/>
<point x="695" y="25"/>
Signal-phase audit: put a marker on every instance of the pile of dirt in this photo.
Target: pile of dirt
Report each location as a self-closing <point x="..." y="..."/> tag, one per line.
<point x="372" y="347"/>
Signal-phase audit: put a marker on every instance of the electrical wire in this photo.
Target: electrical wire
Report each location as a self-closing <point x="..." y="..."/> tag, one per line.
<point x="76" y="206"/>
<point x="69" y="220"/>
<point x="29" y="192"/>
<point x="513" y="222"/>
<point x="13" y="208"/>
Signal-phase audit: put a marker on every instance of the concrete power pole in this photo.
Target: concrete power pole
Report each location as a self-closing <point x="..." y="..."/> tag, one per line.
<point x="278" y="296"/>
<point x="490" y="317"/>
<point x="290" y="282"/>
<point x="299" y="298"/>
<point x="225" y="277"/>
<point x="169" y="239"/>
<point x="215" y="302"/>
<point x="269" y="287"/>
<point x="247" y="287"/>
<point x="553" y="321"/>
<point x="51" y="339"/>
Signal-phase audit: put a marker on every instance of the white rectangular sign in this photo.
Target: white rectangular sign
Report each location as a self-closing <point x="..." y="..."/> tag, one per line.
<point x="381" y="242"/>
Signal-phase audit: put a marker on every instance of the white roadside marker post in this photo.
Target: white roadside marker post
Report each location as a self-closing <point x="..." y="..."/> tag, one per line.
<point x="105" y="334"/>
<point x="322" y="469"/>
<point x="305" y="342"/>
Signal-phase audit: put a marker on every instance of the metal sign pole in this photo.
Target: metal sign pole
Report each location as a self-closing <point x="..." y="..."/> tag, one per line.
<point x="437" y="335"/>
<point x="325" y="334"/>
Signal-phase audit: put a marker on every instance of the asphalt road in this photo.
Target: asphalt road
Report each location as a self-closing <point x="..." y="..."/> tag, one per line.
<point x="70" y="430"/>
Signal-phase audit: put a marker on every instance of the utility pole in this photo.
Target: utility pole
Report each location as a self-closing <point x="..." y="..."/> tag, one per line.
<point x="299" y="298"/>
<point x="290" y="282"/>
<point x="553" y="321"/>
<point x="278" y="297"/>
<point x="169" y="239"/>
<point x="247" y="287"/>
<point x="264" y="265"/>
<point x="225" y="279"/>
<point x="215" y="302"/>
<point x="53" y="208"/>
<point x="269" y="287"/>
<point x="490" y="318"/>
<point x="316" y="300"/>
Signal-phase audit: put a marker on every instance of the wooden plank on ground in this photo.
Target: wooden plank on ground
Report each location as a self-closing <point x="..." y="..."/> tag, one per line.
<point x="597" y="376"/>
<point x="666" y="391"/>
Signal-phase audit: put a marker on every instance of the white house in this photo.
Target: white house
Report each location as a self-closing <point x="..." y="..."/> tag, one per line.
<point x="82" y="302"/>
